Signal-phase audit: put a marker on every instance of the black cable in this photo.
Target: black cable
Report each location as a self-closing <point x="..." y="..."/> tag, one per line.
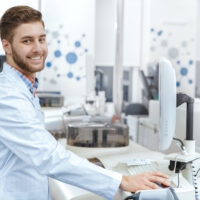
<point x="197" y="171"/>
<point x="179" y="140"/>
<point x="178" y="180"/>
<point x="193" y="160"/>
<point x="129" y="197"/>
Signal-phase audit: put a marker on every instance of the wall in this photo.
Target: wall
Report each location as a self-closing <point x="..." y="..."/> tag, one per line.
<point x="173" y="35"/>
<point x="70" y="36"/>
<point x="105" y="32"/>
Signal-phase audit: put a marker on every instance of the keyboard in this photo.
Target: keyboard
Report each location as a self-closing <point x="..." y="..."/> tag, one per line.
<point x="138" y="169"/>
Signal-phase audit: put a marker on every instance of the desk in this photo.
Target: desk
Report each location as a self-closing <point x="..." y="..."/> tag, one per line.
<point x="111" y="157"/>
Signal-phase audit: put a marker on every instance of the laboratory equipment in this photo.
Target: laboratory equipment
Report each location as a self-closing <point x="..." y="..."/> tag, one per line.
<point x="54" y="121"/>
<point x="50" y="99"/>
<point x="97" y="134"/>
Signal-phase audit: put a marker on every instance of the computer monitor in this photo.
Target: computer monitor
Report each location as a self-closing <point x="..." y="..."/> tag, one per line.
<point x="167" y="103"/>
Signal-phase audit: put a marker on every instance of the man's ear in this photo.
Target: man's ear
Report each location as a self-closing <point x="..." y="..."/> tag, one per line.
<point x="6" y="46"/>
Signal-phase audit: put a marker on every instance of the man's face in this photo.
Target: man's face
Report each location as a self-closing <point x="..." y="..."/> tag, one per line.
<point x="29" y="48"/>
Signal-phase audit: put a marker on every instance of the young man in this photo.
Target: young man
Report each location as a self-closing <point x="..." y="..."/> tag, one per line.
<point x="28" y="153"/>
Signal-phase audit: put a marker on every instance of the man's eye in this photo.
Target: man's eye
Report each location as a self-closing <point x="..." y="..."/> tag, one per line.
<point x="26" y="41"/>
<point x="42" y="39"/>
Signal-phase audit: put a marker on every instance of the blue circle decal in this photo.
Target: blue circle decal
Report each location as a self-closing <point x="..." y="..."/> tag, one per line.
<point x="184" y="71"/>
<point x="178" y="84"/>
<point x="190" y="81"/>
<point x="78" y="78"/>
<point x="57" y="53"/>
<point x="70" y="75"/>
<point x="71" y="57"/>
<point x="77" y="44"/>
<point x="48" y="64"/>
<point x="190" y="62"/>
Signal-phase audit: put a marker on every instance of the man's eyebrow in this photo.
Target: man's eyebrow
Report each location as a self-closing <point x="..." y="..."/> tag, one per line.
<point x="26" y="37"/>
<point x="29" y="37"/>
<point x="43" y="35"/>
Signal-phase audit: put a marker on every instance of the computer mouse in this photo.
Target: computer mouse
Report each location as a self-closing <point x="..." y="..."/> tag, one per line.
<point x="161" y="185"/>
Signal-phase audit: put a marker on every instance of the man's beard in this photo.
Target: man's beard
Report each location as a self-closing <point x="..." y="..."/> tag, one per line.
<point x="23" y="65"/>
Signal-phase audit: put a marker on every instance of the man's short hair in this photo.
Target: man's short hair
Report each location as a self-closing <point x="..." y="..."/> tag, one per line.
<point x="16" y="16"/>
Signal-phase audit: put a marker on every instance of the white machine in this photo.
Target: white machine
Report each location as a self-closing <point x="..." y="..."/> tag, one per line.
<point x="127" y="160"/>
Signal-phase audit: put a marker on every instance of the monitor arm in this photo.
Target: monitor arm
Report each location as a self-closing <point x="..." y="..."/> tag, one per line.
<point x="183" y="98"/>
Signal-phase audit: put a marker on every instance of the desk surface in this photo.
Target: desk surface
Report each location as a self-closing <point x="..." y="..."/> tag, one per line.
<point x="110" y="157"/>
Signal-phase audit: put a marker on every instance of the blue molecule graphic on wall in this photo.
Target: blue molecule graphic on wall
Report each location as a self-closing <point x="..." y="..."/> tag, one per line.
<point x="175" y="51"/>
<point x="190" y="81"/>
<point x="77" y="44"/>
<point x="78" y="78"/>
<point x="72" y="51"/>
<point x="57" y="53"/>
<point x="190" y="62"/>
<point x="152" y="29"/>
<point x="160" y="33"/>
<point x="71" y="57"/>
<point x="48" y="64"/>
<point x="184" y="71"/>
<point x="70" y="75"/>
<point x="178" y="84"/>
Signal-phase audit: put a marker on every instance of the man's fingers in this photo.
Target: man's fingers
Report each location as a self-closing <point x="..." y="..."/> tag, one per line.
<point x="157" y="179"/>
<point x="159" y="174"/>
<point x="152" y="185"/>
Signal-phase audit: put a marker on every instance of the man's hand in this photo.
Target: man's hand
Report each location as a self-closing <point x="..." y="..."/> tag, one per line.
<point x="144" y="181"/>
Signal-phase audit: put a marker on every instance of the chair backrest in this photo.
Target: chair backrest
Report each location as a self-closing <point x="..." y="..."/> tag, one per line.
<point x="2" y="60"/>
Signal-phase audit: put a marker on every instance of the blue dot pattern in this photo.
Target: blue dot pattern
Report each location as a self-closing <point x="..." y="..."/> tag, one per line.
<point x="160" y="33"/>
<point x="190" y="62"/>
<point x="190" y="81"/>
<point x="71" y="57"/>
<point x="184" y="71"/>
<point x="48" y="64"/>
<point x="70" y="75"/>
<point x="77" y="44"/>
<point x="57" y="53"/>
<point x="78" y="78"/>
<point x="178" y="84"/>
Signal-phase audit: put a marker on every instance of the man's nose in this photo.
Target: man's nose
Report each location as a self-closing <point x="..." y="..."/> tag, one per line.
<point x="37" y="47"/>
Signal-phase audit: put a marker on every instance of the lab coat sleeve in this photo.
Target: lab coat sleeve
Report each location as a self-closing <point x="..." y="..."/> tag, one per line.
<point x="23" y="133"/>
